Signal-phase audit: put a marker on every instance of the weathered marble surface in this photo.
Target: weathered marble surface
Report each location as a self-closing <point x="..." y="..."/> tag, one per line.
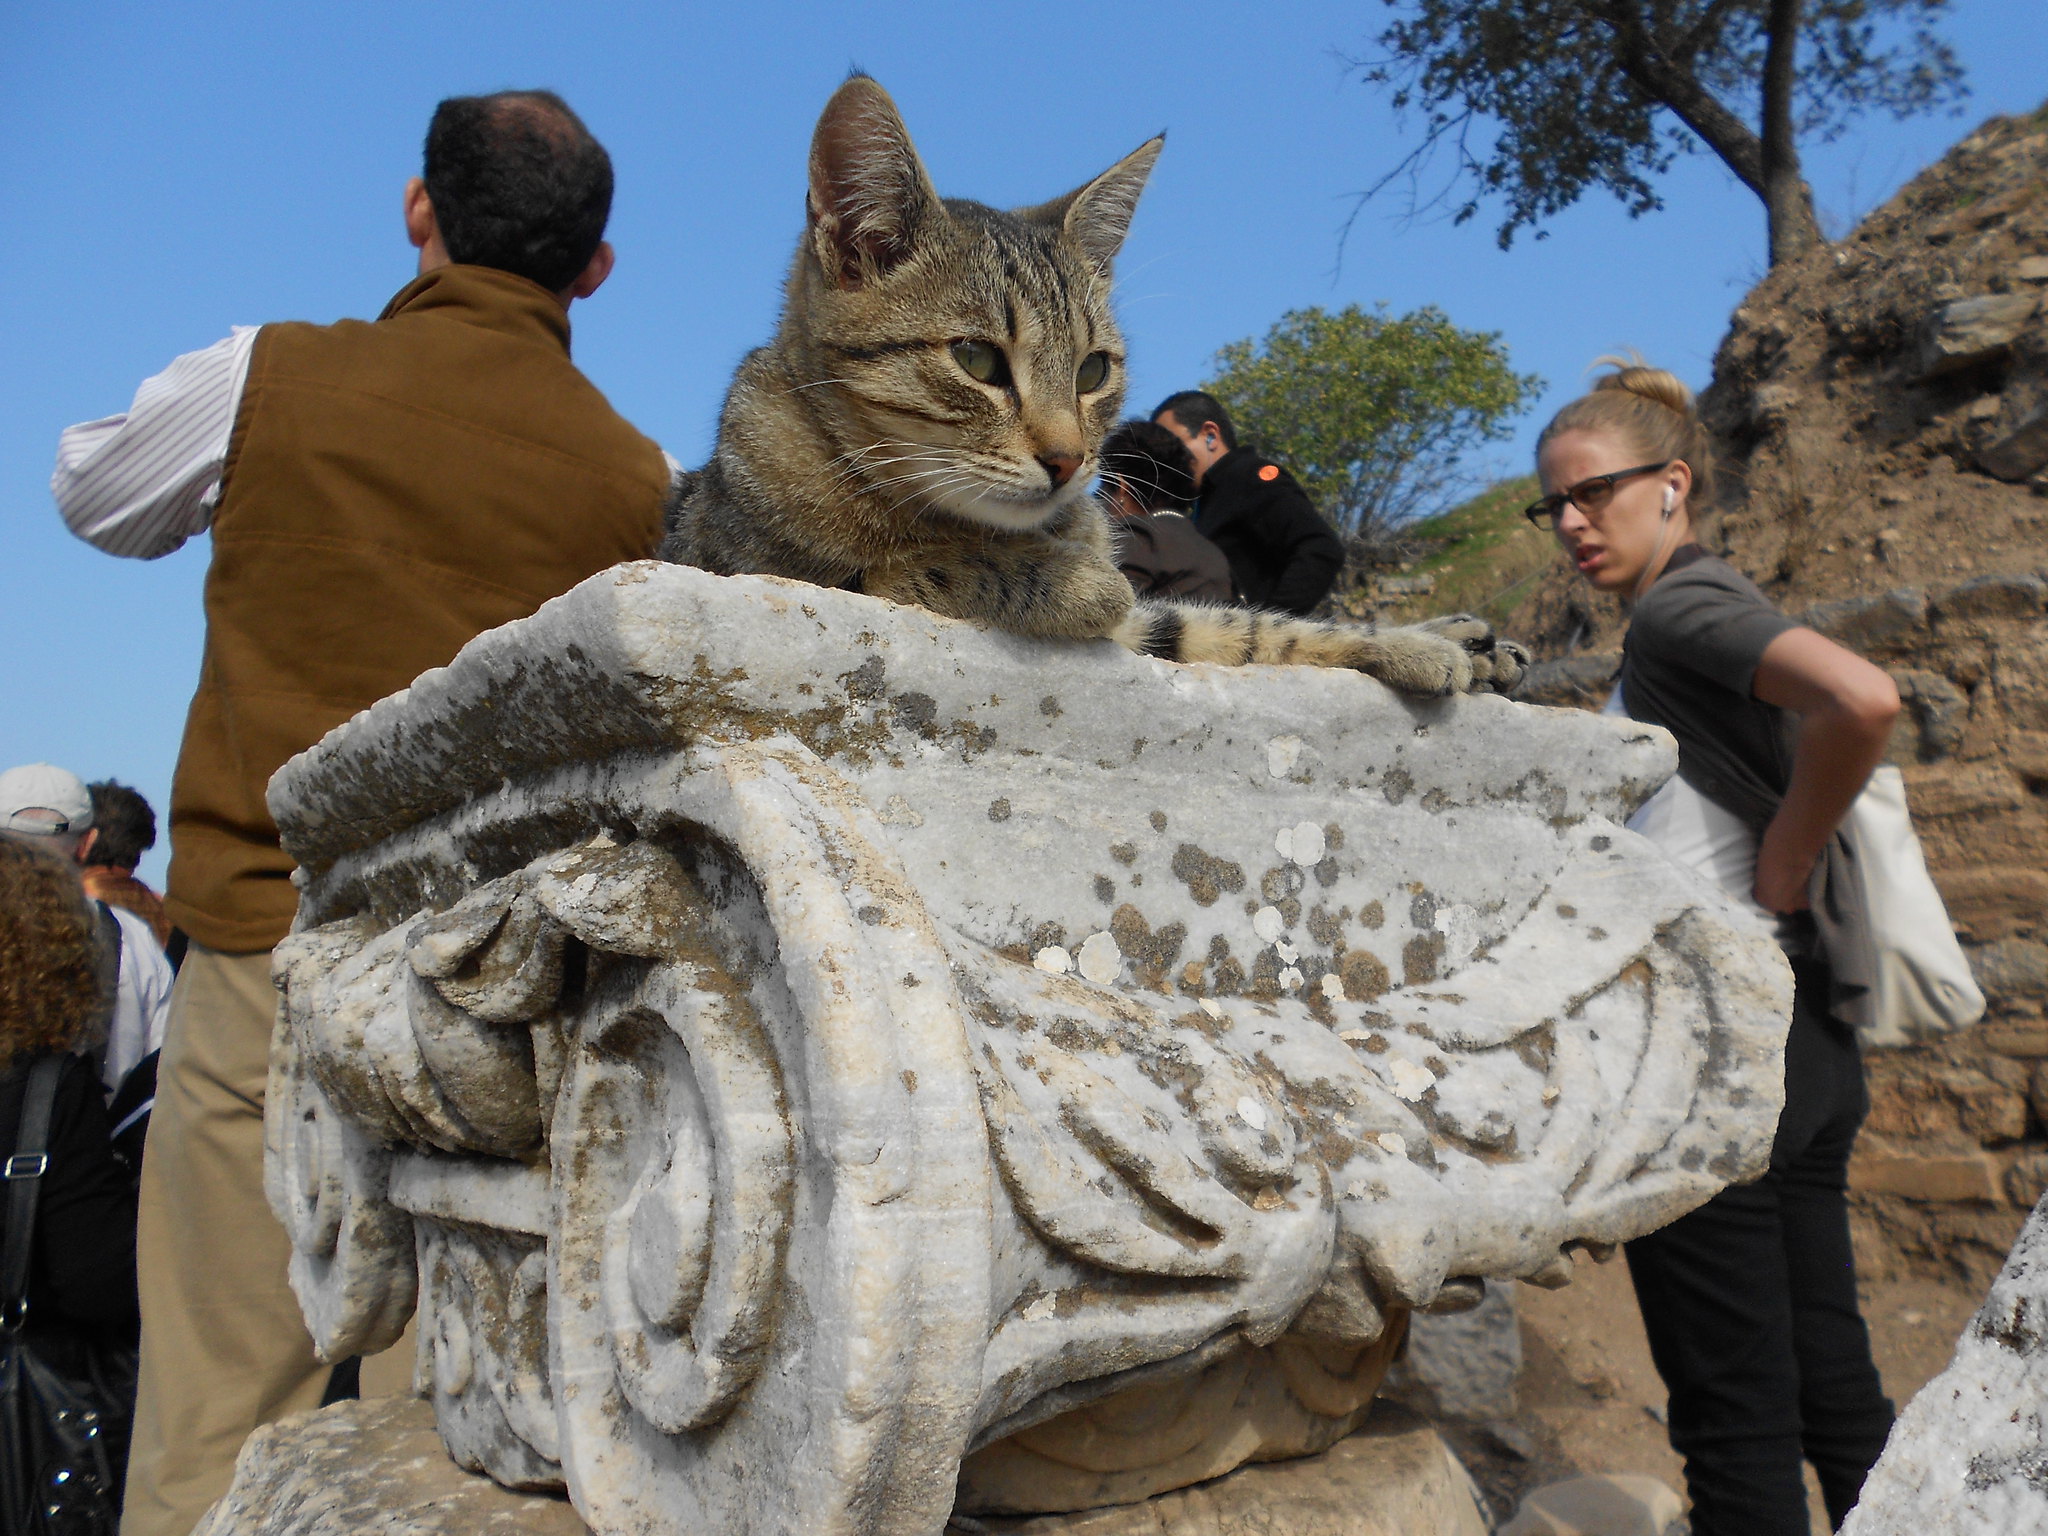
<point x="371" y="1468"/>
<point x="1969" y="1455"/>
<point x="1394" y="1477"/>
<point x="379" y="1469"/>
<point x="787" y="1044"/>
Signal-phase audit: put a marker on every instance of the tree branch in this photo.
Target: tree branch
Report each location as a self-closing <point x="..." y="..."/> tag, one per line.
<point x="1658" y="77"/>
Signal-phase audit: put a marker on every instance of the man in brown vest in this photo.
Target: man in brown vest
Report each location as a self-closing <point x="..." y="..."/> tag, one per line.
<point x="378" y="494"/>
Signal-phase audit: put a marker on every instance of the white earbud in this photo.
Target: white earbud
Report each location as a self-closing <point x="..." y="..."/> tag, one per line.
<point x="1668" y="495"/>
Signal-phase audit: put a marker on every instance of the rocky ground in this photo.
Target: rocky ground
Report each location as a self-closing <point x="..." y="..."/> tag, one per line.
<point x="1589" y="1399"/>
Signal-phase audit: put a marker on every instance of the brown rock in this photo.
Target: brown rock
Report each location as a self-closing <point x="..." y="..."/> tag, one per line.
<point x="1994" y="901"/>
<point x="2027" y="752"/>
<point x="1889" y="618"/>
<point x="1991" y="597"/>
<point x="2031" y="269"/>
<point x="1953" y="790"/>
<point x="1972" y="331"/>
<point x="2020" y="452"/>
<point x="2011" y="970"/>
<point x="2026" y="1179"/>
<point x="373" y="1468"/>
<point x="1944" y="1176"/>
<point x="1393" y="1478"/>
<point x="1917" y="1098"/>
<point x="2023" y="1038"/>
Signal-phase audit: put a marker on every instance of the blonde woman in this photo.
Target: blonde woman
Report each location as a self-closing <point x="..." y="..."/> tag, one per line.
<point x="1749" y="1302"/>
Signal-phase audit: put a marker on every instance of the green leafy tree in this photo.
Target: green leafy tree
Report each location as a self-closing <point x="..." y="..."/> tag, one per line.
<point x="1539" y="100"/>
<point x="1372" y="412"/>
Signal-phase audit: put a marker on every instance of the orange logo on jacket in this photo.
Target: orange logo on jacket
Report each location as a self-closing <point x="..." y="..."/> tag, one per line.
<point x="1270" y="472"/>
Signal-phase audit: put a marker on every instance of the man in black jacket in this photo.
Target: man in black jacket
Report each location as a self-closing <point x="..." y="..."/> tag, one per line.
<point x="1282" y="554"/>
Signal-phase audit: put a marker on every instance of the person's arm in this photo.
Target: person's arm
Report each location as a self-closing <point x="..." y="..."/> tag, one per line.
<point x="140" y="484"/>
<point x="1314" y="553"/>
<point x="1845" y="707"/>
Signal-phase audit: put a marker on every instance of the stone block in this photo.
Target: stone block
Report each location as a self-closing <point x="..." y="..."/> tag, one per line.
<point x="1965" y="1457"/>
<point x="1991" y="597"/>
<point x="2027" y="753"/>
<point x="2026" y="1039"/>
<point x="371" y="1468"/>
<point x="2020" y="452"/>
<point x="1967" y="332"/>
<point x="1936" y="713"/>
<point x="1578" y="682"/>
<point x="1896" y="617"/>
<point x="2011" y="970"/>
<point x="1992" y="901"/>
<point x="1462" y="1365"/>
<point x="778" y="1041"/>
<point x="1914" y="1098"/>
<point x="1959" y="789"/>
<point x="2031" y="269"/>
<point x="2026" y="1179"/>
<point x="1395" y="1477"/>
<point x="1604" y="1504"/>
<point x="1933" y="1176"/>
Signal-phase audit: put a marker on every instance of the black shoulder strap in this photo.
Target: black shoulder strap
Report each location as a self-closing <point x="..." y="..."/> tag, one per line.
<point x="23" y="1174"/>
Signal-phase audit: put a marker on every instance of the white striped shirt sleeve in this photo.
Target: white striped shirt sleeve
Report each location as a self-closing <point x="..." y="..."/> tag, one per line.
<point x="142" y="483"/>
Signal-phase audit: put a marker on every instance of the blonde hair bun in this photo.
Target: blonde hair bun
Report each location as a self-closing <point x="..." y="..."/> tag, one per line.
<point x="1639" y="378"/>
<point x="1650" y="409"/>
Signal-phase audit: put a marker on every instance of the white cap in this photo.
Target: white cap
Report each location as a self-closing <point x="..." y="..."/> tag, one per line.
<point x="59" y="794"/>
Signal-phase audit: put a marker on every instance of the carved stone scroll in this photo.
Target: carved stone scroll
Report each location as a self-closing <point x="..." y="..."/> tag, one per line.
<point x="816" y="1066"/>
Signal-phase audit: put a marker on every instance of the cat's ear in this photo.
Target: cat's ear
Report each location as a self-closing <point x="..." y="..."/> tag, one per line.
<point x="1098" y="216"/>
<point x="869" y="195"/>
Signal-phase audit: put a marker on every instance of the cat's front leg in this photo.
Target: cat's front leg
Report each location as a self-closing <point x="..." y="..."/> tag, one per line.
<point x="1449" y="655"/>
<point x="1029" y="584"/>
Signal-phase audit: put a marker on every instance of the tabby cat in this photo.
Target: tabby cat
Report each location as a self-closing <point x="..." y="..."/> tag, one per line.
<point x="924" y="425"/>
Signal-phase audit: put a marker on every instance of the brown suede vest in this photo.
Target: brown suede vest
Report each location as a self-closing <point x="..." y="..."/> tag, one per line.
<point x="392" y="490"/>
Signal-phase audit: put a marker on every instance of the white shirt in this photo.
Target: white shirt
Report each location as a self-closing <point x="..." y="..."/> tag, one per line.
<point x="1700" y="835"/>
<point x="142" y="999"/>
<point x="140" y="484"/>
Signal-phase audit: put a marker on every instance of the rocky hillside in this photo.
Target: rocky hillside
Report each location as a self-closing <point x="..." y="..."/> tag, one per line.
<point x="1881" y="409"/>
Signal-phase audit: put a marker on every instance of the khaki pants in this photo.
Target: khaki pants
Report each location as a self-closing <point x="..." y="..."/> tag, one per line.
<point x="224" y="1348"/>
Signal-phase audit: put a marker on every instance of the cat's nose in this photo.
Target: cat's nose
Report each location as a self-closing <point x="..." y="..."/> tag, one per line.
<point x="1059" y="466"/>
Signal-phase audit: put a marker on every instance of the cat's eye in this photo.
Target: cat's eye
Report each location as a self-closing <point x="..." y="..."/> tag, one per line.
<point x="982" y="361"/>
<point x="1093" y="373"/>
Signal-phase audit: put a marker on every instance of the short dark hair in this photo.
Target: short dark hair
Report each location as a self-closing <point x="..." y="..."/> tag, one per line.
<point x="1151" y="463"/>
<point x="518" y="183"/>
<point x="1191" y="407"/>
<point x="127" y="826"/>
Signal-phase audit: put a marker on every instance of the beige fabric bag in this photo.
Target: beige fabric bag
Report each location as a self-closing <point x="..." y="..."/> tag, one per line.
<point x="1922" y="984"/>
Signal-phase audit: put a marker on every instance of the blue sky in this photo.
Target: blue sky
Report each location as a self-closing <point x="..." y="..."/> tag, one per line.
<point x="167" y="171"/>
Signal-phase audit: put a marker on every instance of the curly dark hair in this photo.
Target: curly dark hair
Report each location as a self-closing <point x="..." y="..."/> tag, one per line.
<point x="50" y="958"/>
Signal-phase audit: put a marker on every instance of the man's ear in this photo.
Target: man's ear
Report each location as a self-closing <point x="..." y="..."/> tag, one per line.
<point x="419" y="214"/>
<point x="592" y="277"/>
<point x="870" y="197"/>
<point x="86" y="842"/>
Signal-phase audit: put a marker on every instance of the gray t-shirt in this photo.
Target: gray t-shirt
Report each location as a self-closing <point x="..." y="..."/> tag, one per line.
<point x="1688" y="664"/>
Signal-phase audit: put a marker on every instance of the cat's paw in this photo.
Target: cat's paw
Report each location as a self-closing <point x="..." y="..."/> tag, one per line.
<point x="1416" y="661"/>
<point x="1497" y="664"/>
<point x="1501" y="668"/>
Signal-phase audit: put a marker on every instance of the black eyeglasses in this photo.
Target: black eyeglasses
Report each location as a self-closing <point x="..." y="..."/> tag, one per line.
<point x="1589" y="496"/>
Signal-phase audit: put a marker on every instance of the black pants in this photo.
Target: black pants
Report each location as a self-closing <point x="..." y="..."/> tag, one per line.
<point x="1750" y="1306"/>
